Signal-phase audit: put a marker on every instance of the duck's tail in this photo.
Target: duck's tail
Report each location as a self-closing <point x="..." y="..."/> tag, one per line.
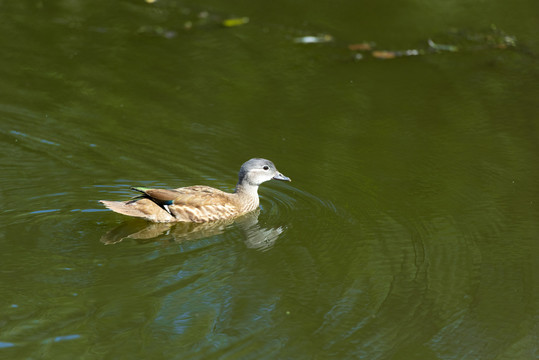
<point x="142" y="208"/>
<point x="123" y="207"/>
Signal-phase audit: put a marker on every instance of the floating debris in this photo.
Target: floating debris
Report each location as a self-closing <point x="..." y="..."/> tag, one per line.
<point x="384" y="54"/>
<point x="456" y="41"/>
<point x="464" y="40"/>
<point x="364" y="46"/>
<point x="414" y="52"/>
<point x="442" y="47"/>
<point x="314" y="39"/>
<point x="235" y="22"/>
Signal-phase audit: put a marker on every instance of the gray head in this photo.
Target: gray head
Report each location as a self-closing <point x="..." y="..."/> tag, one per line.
<point x="256" y="171"/>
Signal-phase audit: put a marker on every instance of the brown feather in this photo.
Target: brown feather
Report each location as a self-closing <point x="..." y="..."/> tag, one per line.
<point x="162" y="194"/>
<point x="200" y="195"/>
<point x="142" y="208"/>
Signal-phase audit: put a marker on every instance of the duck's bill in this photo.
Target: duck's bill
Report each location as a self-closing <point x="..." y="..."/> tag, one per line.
<point x="280" y="176"/>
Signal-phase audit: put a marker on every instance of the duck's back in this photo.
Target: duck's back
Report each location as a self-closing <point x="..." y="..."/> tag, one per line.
<point x="201" y="203"/>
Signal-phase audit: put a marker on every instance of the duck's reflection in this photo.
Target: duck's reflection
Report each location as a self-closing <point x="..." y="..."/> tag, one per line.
<point x="255" y="236"/>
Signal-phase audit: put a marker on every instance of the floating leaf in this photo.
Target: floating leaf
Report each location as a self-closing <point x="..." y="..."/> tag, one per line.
<point x="442" y="47"/>
<point x="314" y="39"/>
<point x="383" y="54"/>
<point x="413" y="52"/>
<point x="364" y="46"/>
<point x="235" y="22"/>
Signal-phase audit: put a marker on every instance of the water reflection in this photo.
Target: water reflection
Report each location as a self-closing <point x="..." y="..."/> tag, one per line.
<point x="412" y="237"/>
<point x="254" y="235"/>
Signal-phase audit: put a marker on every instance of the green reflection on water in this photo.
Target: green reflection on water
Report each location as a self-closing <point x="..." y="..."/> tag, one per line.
<point x="408" y="232"/>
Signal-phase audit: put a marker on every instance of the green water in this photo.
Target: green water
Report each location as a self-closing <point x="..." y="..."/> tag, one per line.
<point x="409" y="230"/>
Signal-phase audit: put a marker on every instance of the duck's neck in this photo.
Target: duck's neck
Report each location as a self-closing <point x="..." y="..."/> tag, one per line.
<point x="248" y="196"/>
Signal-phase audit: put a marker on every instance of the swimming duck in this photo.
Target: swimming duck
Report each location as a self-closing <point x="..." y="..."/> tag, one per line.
<point x="200" y="203"/>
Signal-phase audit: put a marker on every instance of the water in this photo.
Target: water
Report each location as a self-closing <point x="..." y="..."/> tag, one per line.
<point x="409" y="229"/>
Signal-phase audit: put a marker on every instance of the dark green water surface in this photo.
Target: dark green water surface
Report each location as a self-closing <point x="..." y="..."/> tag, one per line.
<point x="410" y="229"/>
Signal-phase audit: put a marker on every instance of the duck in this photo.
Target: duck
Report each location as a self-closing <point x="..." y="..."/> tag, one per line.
<point x="200" y="203"/>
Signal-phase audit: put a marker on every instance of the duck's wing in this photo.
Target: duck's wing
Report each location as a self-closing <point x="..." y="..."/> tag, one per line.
<point x="160" y="196"/>
<point x="197" y="195"/>
<point x="194" y="203"/>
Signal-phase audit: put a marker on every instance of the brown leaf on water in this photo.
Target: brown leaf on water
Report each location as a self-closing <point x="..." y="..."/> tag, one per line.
<point x="383" y="54"/>
<point x="360" y="47"/>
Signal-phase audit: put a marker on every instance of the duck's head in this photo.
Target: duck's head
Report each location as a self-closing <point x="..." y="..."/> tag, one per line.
<point x="256" y="171"/>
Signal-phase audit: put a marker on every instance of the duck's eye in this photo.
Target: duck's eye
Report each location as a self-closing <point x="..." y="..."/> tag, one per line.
<point x="266" y="167"/>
